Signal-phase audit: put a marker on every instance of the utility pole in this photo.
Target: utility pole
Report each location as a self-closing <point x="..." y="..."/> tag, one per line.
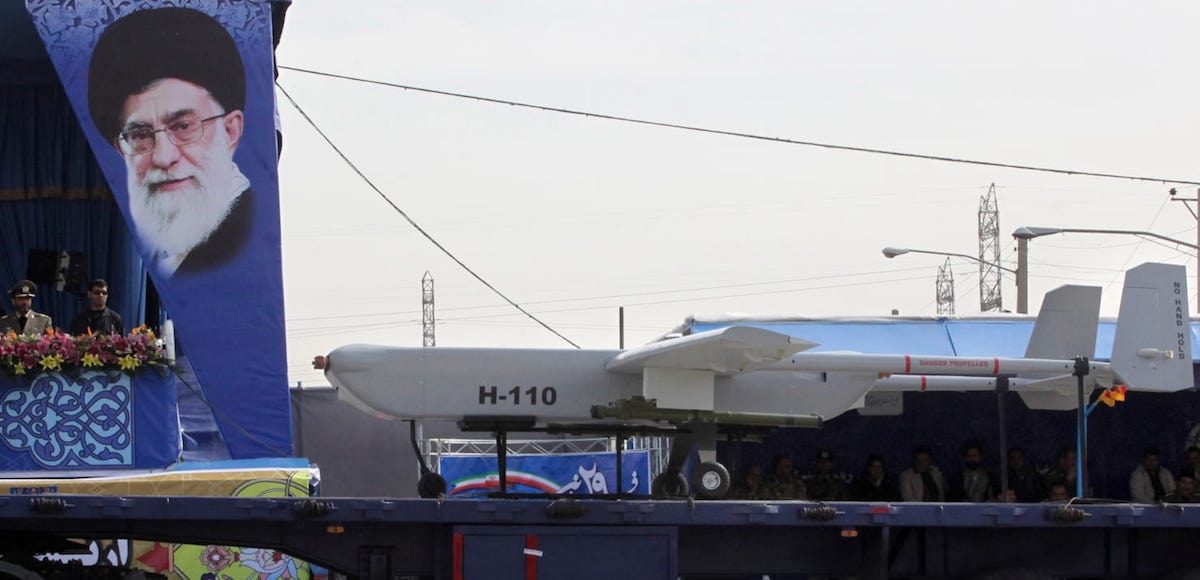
<point x="427" y="318"/>
<point x="621" y="327"/>
<point x="1022" y="275"/>
<point x="1196" y="214"/>
<point x="989" y="253"/>
<point x="945" y="289"/>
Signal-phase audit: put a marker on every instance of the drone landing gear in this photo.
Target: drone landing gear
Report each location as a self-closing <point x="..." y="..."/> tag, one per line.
<point x="710" y="480"/>
<point x="430" y="485"/>
<point x="501" y="426"/>
<point x="669" y="483"/>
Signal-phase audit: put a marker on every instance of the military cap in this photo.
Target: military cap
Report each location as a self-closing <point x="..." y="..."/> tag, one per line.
<point x="23" y="288"/>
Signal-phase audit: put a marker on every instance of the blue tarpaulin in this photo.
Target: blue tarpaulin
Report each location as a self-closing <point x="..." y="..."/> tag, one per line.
<point x="947" y="336"/>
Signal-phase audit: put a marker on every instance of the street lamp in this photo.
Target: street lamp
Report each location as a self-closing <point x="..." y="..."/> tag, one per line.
<point x="1022" y="292"/>
<point x="1026" y="233"/>
<point x="1030" y="232"/>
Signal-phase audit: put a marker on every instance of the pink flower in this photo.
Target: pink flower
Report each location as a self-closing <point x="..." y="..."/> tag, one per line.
<point x="216" y="558"/>
<point x="20" y="353"/>
<point x="120" y="344"/>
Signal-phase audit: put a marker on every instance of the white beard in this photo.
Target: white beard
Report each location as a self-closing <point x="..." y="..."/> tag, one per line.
<point x="172" y="223"/>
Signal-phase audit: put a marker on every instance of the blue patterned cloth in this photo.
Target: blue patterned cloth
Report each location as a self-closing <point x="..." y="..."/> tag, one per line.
<point x="93" y="420"/>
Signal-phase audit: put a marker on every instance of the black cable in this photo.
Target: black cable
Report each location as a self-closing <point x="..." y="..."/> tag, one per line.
<point x="700" y="298"/>
<point x="413" y="223"/>
<point x="739" y="134"/>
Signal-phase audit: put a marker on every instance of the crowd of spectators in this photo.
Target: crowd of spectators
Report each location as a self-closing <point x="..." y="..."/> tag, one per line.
<point x="923" y="481"/>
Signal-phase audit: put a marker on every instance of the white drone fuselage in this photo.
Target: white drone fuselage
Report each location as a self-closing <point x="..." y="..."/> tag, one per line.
<point x="748" y="373"/>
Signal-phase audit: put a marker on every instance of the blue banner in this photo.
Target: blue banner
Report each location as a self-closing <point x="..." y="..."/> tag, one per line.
<point x="177" y="101"/>
<point x="578" y="474"/>
<point x="95" y="420"/>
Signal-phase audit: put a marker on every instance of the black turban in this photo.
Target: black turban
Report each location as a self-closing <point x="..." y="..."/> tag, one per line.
<point x="149" y="45"/>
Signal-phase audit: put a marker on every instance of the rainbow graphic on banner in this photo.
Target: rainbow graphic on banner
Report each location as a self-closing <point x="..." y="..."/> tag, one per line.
<point x="491" y="482"/>
<point x="574" y="473"/>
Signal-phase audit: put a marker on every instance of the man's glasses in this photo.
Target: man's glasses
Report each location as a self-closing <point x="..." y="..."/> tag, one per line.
<point x="182" y="131"/>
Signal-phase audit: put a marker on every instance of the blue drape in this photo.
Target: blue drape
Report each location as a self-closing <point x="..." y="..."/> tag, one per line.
<point x="43" y="152"/>
<point x="91" y="226"/>
<point x="53" y="196"/>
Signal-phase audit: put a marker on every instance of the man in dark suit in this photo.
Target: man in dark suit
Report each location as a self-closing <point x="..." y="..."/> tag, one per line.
<point x="98" y="318"/>
<point x="167" y="87"/>
<point x="24" y="320"/>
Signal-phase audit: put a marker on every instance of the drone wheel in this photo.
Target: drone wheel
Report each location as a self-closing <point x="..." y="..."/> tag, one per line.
<point x="670" y="484"/>
<point x="431" y="485"/>
<point x="712" y="480"/>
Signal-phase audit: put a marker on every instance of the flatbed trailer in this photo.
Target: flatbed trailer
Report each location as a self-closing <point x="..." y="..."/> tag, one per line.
<point x="652" y="539"/>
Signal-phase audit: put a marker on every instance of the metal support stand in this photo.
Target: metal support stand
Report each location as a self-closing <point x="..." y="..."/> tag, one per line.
<point x="620" y="473"/>
<point x="412" y="437"/>
<point x="1001" y="404"/>
<point x="502" y="459"/>
<point x="501" y="425"/>
<point x="1081" y="483"/>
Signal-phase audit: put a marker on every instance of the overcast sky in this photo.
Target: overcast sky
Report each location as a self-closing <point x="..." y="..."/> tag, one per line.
<point x="573" y="217"/>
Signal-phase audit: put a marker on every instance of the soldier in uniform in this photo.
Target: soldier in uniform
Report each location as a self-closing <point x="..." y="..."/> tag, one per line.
<point x="24" y="320"/>
<point x="784" y="482"/>
<point x="751" y="486"/>
<point x="823" y="484"/>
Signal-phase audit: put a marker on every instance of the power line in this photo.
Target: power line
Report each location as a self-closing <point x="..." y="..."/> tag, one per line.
<point x="624" y="295"/>
<point x="414" y="223"/>
<point x="1074" y="267"/>
<point x="974" y="279"/>
<point x="337" y="329"/>
<point x="738" y="133"/>
<point x="649" y="303"/>
<point x="1133" y="252"/>
<point x="652" y="214"/>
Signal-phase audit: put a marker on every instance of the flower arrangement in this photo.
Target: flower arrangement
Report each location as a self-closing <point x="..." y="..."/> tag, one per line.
<point x="55" y="351"/>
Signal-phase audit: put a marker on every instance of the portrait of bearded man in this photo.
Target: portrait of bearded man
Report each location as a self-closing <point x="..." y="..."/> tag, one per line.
<point x="167" y="89"/>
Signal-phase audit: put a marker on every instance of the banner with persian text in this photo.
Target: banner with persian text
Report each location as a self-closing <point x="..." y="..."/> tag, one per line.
<point x="572" y="473"/>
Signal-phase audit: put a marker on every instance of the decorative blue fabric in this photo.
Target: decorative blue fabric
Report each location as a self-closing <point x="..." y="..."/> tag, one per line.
<point x="202" y="439"/>
<point x="98" y="420"/>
